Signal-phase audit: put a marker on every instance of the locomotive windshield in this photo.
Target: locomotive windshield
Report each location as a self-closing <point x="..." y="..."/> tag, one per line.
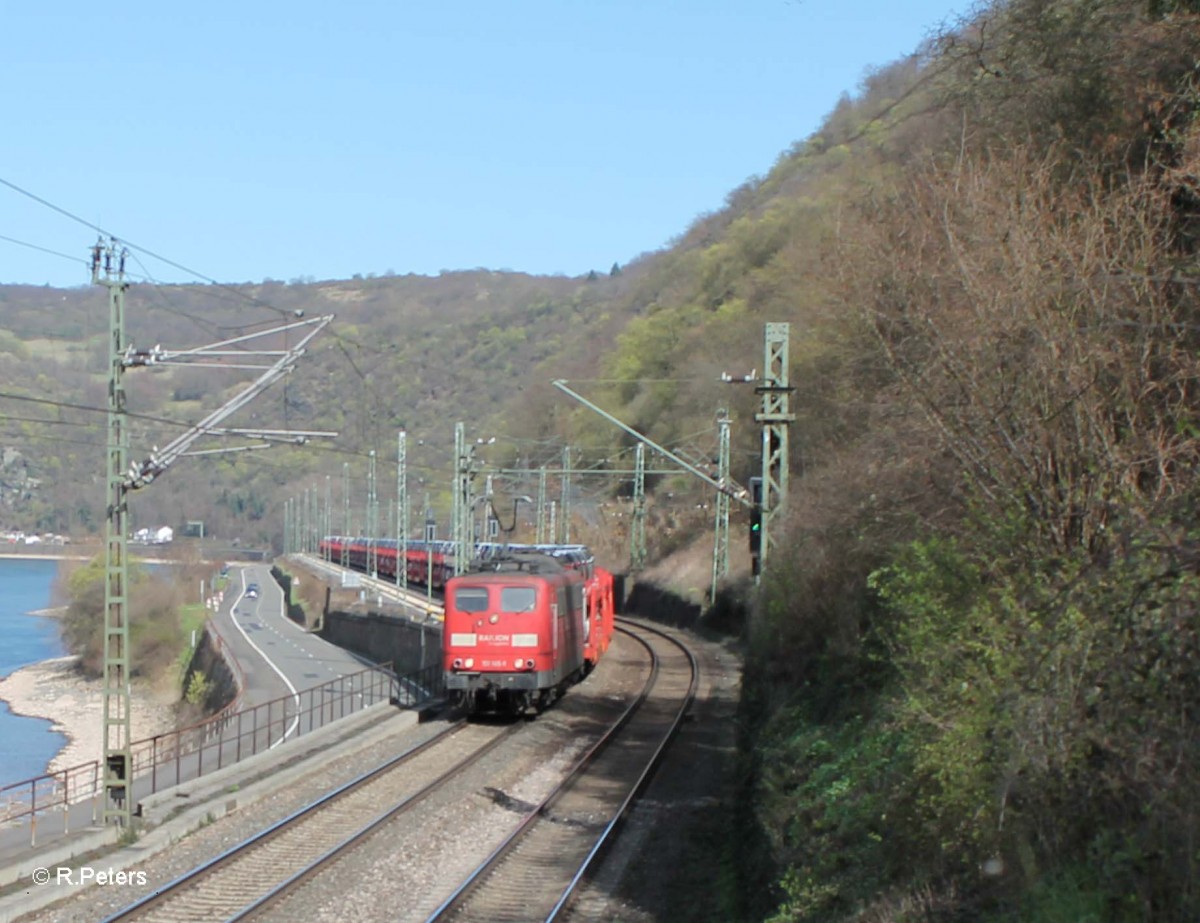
<point x="471" y="599"/>
<point x="517" y="599"/>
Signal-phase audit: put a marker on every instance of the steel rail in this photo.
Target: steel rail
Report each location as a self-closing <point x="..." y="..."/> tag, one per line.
<point x="316" y="865"/>
<point x="606" y="837"/>
<point x="476" y="878"/>
<point x="241" y="850"/>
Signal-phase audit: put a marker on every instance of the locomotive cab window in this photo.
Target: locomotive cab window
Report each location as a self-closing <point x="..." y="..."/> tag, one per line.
<point x="518" y="599"/>
<point x="471" y="599"/>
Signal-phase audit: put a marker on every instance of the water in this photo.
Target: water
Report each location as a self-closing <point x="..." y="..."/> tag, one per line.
<point x="27" y="745"/>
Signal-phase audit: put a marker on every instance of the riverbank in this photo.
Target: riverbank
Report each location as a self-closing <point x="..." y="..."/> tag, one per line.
<point x="56" y="691"/>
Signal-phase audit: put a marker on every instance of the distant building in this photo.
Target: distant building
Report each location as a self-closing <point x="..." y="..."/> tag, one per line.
<point x="161" y="536"/>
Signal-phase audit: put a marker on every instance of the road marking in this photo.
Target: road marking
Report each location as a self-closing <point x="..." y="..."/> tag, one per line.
<point x="271" y="664"/>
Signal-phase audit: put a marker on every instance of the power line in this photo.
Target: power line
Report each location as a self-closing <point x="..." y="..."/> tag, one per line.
<point x="25" y="243"/>
<point x="99" y="230"/>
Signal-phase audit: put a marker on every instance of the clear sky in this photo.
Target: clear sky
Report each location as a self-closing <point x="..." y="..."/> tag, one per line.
<point x="261" y="139"/>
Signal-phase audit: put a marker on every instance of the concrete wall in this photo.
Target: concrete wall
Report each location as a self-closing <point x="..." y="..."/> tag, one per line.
<point x="385" y="638"/>
<point x="294" y="610"/>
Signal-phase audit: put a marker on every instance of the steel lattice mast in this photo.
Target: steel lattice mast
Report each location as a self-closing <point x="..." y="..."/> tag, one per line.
<point x="372" y="516"/>
<point x="720" y="565"/>
<point x="346" y="529"/>
<point x="402" y="507"/>
<point x="541" y="506"/>
<point x="564" y="504"/>
<point x="464" y="541"/>
<point x="775" y="419"/>
<point x="108" y="269"/>
<point x="637" y="525"/>
<point x="118" y="761"/>
<point x="327" y="519"/>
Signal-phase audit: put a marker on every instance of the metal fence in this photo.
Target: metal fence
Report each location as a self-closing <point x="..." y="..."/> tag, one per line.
<point x="166" y="760"/>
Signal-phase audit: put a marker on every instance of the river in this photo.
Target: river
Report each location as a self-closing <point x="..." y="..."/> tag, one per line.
<point x="29" y="744"/>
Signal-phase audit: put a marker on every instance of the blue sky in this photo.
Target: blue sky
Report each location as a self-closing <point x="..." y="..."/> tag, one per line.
<point x="259" y="140"/>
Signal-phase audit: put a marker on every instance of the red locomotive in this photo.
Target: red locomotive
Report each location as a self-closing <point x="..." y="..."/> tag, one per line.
<point x="522" y="627"/>
<point x="523" y="624"/>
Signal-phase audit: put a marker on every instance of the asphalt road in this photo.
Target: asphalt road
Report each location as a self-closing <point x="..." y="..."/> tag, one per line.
<point x="277" y="656"/>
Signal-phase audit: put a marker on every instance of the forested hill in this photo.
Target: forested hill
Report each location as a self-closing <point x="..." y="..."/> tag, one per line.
<point x="403" y="352"/>
<point x="972" y="673"/>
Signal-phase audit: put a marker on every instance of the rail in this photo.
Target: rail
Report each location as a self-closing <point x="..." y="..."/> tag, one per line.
<point x="166" y="760"/>
<point x="574" y="840"/>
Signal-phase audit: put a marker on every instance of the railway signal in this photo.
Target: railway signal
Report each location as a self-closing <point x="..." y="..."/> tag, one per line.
<point x="756" y="511"/>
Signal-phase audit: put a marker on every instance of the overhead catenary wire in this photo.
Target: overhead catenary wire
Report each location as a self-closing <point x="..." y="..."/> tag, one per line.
<point x="41" y="249"/>
<point x="133" y="246"/>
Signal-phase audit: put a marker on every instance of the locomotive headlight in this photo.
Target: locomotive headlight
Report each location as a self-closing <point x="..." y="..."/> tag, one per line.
<point x="516" y="664"/>
<point x="494" y="618"/>
<point x="470" y="662"/>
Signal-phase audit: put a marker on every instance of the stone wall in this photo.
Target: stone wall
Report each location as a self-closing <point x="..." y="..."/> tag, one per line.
<point x="223" y="685"/>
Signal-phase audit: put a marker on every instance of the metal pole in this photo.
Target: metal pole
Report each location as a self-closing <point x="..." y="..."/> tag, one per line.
<point x="372" y="516"/>
<point x="430" y="532"/>
<point x="402" y="510"/>
<point x="720" y="567"/>
<point x="740" y="494"/>
<point x="346" y="531"/>
<point x="775" y="418"/>
<point x="541" y="506"/>
<point x="637" y="526"/>
<point x="491" y="527"/>
<point x="118" y="759"/>
<point x="463" y="513"/>
<point x="565" y="502"/>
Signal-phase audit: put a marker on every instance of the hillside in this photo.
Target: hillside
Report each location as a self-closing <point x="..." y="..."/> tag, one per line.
<point x="971" y="681"/>
<point x="403" y="352"/>
<point x="971" y="688"/>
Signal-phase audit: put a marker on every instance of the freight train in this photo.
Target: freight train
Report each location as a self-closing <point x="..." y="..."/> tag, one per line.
<point x="522" y="624"/>
<point x="431" y="562"/>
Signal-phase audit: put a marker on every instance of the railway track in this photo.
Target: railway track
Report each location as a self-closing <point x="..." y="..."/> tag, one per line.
<point x="250" y="875"/>
<point x="274" y="873"/>
<point x="533" y="873"/>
